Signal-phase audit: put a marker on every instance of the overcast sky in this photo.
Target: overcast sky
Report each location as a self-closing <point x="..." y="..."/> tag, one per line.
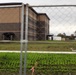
<point x="40" y="2"/>
<point x="63" y="20"/>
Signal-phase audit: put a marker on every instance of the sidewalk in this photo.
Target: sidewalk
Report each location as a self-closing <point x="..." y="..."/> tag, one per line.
<point x="51" y="52"/>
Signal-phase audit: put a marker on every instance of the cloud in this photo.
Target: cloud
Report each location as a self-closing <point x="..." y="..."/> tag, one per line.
<point x="68" y="29"/>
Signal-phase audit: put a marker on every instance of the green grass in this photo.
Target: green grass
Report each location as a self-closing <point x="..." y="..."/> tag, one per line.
<point x="9" y="46"/>
<point x="47" y="63"/>
<point x="41" y="45"/>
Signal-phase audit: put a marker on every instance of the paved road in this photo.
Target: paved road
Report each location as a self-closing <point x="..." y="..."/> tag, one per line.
<point x="53" y="52"/>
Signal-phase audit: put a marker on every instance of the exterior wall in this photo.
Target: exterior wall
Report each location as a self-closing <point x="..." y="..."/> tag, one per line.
<point x="42" y="27"/>
<point x="10" y="21"/>
<point x="32" y="24"/>
<point x="46" y="25"/>
<point x="9" y="15"/>
<point x="10" y="27"/>
<point x="40" y="30"/>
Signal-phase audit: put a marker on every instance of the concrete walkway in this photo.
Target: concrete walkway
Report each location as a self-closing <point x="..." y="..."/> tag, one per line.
<point x="52" y="52"/>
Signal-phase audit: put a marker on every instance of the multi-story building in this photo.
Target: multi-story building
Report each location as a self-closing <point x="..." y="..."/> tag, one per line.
<point x="42" y="26"/>
<point x="10" y="23"/>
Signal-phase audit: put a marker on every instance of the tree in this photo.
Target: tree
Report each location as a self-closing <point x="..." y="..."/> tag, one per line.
<point x="62" y="35"/>
<point x="75" y="33"/>
<point x="72" y="37"/>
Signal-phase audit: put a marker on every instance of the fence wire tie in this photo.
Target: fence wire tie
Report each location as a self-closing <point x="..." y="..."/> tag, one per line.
<point x="24" y="41"/>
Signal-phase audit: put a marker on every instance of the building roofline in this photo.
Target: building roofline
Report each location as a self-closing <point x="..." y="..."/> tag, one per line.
<point x="44" y="14"/>
<point x="39" y="13"/>
<point x="33" y="9"/>
<point x="14" y="3"/>
<point x="19" y="3"/>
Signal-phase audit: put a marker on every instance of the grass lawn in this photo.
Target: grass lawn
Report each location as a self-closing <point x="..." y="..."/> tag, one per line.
<point x="46" y="63"/>
<point x="41" y="45"/>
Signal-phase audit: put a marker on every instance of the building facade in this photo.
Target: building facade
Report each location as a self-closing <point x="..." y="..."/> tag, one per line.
<point x="10" y="23"/>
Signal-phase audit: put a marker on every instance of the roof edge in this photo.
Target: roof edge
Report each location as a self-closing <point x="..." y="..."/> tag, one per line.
<point x="44" y="14"/>
<point x="10" y="3"/>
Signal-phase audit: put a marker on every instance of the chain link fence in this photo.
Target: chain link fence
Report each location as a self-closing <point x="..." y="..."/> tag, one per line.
<point x="47" y="33"/>
<point x="12" y="34"/>
<point x="55" y="32"/>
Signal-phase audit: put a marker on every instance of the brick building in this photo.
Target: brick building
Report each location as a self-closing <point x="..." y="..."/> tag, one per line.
<point x="10" y="23"/>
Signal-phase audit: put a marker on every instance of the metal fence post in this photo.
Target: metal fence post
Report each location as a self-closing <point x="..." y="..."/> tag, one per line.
<point x="26" y="39"/>
<point x="22" y="26"/>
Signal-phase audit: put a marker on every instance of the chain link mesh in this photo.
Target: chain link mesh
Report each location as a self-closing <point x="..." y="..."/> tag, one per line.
<point x="51" y="29"/>
<point x="62" y="18"/>
<point x="10" y="35"/>
<point x="61" y="38"/>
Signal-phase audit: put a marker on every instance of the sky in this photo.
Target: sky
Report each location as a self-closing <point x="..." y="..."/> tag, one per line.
<point x="40" y="2"/>
<point x="63" y="20"/>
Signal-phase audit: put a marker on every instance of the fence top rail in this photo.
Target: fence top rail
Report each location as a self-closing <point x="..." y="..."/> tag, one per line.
<point x="53" y="6"/>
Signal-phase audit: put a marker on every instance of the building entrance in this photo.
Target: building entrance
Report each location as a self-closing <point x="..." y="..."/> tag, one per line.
<point x="8" y="36"/>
